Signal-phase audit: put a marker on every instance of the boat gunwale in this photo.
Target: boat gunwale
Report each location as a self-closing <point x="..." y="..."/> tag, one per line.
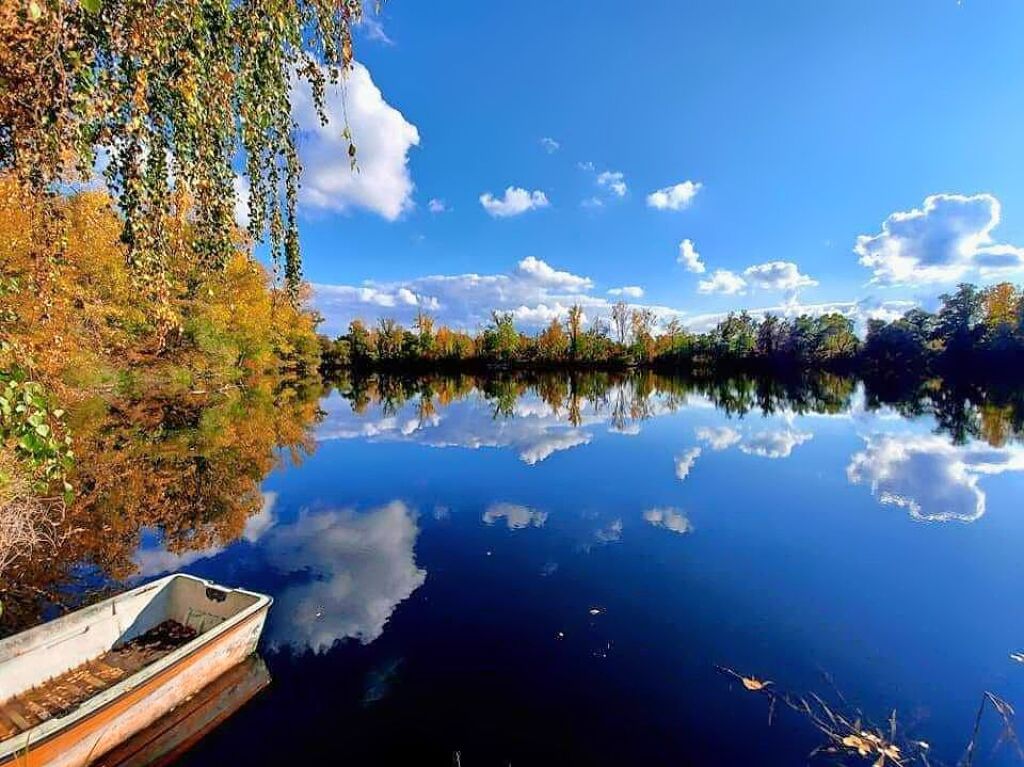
<point x="53" y="726"/>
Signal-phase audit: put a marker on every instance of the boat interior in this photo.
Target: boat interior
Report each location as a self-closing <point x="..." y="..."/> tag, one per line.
<point x="54" y="668"/>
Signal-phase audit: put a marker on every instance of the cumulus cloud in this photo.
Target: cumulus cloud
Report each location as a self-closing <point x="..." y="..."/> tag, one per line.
<point x="669" y="518"/>
<point x="676" y="197"/>
<point x="685" y="462"/>
<point x="352" y="570"/>
<point x="543" y="274"/>
<point x="777" y="275"/>
<point x="534" y="291"/>
<point x="437" y="205"/>
<point x="932" y="479"/>
<point x="629" y="291"/>
<point x="690" y="258"/>
<point x="516" y="515"/>
<point x="774" y="275"/>
<point x="382" y="135"/>
<point x="718" y="437"/>
<point x="543" y="448"/>
<point x="515" y="202"/>
<point x="774" y="444"/>
<point x="613" y="180"/>
<point x="949" y="236"/>
<point x="550" y="145"/>
<point x="724" y="282"/>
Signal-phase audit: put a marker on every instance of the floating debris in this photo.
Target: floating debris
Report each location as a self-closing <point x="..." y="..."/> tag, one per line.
<point x="849" y="734"/>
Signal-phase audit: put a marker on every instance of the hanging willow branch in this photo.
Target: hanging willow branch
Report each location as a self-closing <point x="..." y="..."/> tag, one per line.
<point x="165" y="94"/>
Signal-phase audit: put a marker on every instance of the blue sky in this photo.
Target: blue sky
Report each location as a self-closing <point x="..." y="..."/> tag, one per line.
<point x="805" y="124"/>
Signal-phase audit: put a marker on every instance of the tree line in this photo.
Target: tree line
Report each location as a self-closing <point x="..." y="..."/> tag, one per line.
<point x="985" y="325"/>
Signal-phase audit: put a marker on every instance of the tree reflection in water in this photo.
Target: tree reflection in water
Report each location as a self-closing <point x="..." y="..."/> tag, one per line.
<point x="188" y="466"/>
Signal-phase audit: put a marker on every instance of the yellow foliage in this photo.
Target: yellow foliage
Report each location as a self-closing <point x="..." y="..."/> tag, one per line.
<point x="76" y="314"/>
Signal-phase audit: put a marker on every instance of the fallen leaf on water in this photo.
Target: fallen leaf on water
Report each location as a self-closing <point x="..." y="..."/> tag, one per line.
<point x="857" y="743"/>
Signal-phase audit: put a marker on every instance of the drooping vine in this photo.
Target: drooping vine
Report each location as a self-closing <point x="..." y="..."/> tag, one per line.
<point x="164" y="94"/>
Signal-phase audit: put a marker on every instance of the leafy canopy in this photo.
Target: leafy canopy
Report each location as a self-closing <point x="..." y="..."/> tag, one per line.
<point x="167" y="94"/>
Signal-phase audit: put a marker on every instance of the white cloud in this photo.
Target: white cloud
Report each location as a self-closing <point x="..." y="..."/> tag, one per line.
<point x="543" y="448"/>
<point x="774" y="444"/>
<point x="674" y="197"/>
<point x="516" y="515"/>
<point x="777" y="275"/>
<point x="383" y="138"/>
<point x="718" y="437"/>
<point x="949" y="236"/>
<point x="355" y="568"/>
<point x="629" y="291"/>
<point x="592" y="203"/>
<point x="585" y="165"/>
<point x="515" y="202"/>
<point x="535" y="433"/>
<point x="670" y="519"/>
<point x="543" y="274"/>
<point x="613" y="180"/>
<point x="723" y="281"/>
<point x="932" y="479"/>
<point x="437" y="205"/>
<point x="550" y="145"/>
<point x="373" y="28"/>
<point x="685" y="462"/>
<point x="241" y="185"/>
<point x="689" y="257"/>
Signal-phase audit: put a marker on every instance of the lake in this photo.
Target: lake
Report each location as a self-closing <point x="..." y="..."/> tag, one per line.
<point x="555" y="569"/>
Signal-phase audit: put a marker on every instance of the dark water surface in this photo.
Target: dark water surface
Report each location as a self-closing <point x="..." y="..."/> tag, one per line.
<point x="548" y="571"/>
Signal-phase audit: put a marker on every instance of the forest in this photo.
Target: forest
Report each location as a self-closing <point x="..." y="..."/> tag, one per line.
<point x="983" y="327"/>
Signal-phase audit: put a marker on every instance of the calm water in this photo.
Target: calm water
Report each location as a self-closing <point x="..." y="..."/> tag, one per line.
<point x="548" y="572"/>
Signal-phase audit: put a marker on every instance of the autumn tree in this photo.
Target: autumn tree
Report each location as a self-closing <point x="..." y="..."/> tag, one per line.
<point x="574" y="327"/>
<point x="168" y="95"/>
<point x="641" y="325"/>
<point x="552" y="343"/>
<point x="620" y="320"/>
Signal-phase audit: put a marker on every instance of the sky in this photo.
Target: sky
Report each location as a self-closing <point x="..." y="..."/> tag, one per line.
<point x="695" y="157"/>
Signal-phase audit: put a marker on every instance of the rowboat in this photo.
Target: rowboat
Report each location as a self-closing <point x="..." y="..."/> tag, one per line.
<point x="73" y="689"/>
<point x="172" y="735"/>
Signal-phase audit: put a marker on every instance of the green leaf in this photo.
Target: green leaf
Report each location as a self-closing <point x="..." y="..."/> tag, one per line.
<point x="92" y="6"/>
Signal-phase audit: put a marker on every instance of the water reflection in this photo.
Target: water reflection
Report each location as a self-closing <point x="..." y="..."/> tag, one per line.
<point x="168" y="479"/>
<point x="515" y="515"/>
<point x="707" y="520"/>
<point x="180" y="470"/>
<point x="670" y="519"/>
<point x="353" y="568"/>
<point x="932" y="479"/>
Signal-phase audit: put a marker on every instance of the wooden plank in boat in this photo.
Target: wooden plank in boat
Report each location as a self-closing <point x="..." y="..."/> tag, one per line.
<point x="63" y="693"/>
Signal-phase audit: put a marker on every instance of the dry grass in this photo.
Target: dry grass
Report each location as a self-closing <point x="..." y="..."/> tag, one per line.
<point x="28" y="524"/>
<point x="851" y="737"/>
